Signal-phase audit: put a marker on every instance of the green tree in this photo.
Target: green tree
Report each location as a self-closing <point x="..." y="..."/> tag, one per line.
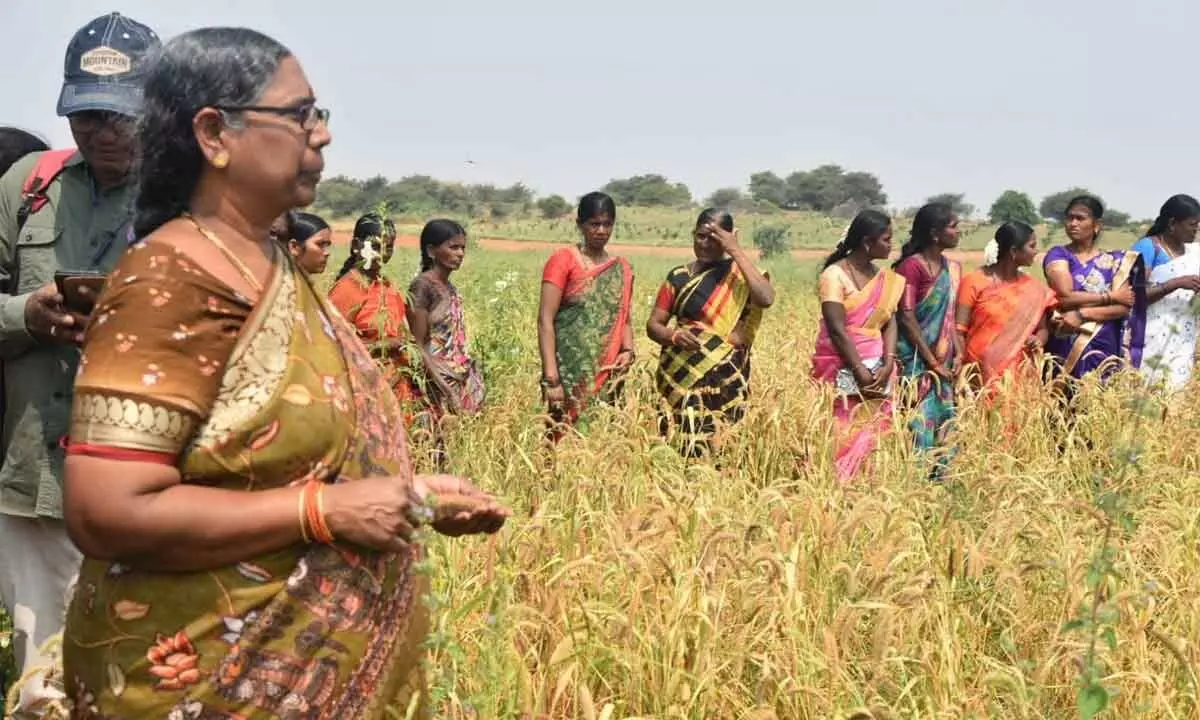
<point x="1116" y="218"/>
<point x="339" y="196"/>
<point x="516" y="194"/>
<point x="863" y="188"/>
<point x="957" y="201"/>
<point x="553" y="207"/>
<point x="1054" y="207"/>
<point x="414" y="193"/>
<point x="1013" y="206"/>
<point x="374" y="191"/>
<point x="826" y="187"/>
<point x="729" y="198"/>
<point x="648" y="190"/>
<point x="768" y="188"/>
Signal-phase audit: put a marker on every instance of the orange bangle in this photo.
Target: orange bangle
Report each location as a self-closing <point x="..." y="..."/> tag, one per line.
<point x="315" y="512"/>
<point x="321" y="529"/>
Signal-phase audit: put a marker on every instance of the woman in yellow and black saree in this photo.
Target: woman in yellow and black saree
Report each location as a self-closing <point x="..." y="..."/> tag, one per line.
<point x="716" y="303"/>
<point x="238" y="475"/>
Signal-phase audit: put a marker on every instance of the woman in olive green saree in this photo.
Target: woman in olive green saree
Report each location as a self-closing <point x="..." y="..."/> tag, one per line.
<point x="238" y="475"/>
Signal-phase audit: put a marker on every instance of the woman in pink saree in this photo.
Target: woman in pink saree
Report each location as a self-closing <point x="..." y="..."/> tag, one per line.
<point x="856" y="344"/>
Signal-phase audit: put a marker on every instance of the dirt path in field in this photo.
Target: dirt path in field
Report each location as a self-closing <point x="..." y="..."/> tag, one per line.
<point x="409" y="242"/>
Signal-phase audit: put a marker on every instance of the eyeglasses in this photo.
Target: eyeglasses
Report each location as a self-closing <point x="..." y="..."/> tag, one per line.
<point x="92" y="120"/>
<point x="307" y="116"/>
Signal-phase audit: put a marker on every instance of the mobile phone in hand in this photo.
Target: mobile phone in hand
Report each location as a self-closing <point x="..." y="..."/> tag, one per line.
<point x="70" y="282"/>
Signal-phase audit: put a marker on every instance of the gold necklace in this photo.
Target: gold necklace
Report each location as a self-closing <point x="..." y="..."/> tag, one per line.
<point x="233" y="259"/>
<point x="854" y="275"/>
<point x="586" y="260"/>
<point x="932" y="269"/>
<point x="1171" y="254"/>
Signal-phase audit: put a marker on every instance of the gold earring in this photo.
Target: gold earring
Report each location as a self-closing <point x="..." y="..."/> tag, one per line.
<point x="220" y="160"/>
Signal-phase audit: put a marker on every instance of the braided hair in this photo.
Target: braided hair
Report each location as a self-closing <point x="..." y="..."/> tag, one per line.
<point x="866" y="225"/>
<point x="1178" y="208"/>
<point x="371" y="225"/>
<point x="435" y="234"/>
<point x="928" y="223"/>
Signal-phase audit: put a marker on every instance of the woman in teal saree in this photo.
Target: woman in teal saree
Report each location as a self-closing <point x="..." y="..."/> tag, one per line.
<point x="928" y="349"/>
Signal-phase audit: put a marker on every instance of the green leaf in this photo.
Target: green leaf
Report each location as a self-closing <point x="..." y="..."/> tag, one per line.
<point x="1092" y="700"/>
<point x="1074" y="625"/>
<point x="1128" y="524"/>
<point x="1110" y="638"/>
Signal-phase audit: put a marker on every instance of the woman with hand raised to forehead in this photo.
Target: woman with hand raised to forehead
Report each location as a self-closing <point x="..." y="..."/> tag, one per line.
<point x="238" y="473"/>
<point x="705" y="318"/>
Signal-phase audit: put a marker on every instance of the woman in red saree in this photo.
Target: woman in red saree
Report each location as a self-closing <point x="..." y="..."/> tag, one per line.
<point x="238" y="476"/>
<point x="373" y="305"/>
<point x="584" y="330"/>
<point x="1002" y="313"/>
<point x="856" y="342"/>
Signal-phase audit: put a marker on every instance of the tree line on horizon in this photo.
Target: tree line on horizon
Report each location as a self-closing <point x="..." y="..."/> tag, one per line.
<point x="828" y="190"/>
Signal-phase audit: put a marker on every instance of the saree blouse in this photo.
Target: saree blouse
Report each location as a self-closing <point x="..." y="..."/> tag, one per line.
<point x="245" y="396"/>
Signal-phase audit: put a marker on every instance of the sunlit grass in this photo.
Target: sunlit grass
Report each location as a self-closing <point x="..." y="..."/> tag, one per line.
<point x="631" y="584"/>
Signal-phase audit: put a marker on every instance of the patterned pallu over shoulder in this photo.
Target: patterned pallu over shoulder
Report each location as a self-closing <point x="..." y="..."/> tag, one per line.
<point x="590" y="324"/>
<point x="277" y="393"/>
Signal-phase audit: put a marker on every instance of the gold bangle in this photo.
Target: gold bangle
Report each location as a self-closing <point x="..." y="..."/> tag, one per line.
<point x="303" y="523"/>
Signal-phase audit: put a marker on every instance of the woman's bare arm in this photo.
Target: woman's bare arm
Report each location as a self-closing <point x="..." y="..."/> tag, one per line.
<point x="547" y="341"/>
<point x="140" y="514"/>
<point x="912" y="331"/>
<point x="1058" y="277"/>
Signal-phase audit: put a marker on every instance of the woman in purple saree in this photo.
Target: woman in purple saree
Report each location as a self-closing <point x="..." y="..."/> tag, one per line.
<point x="1101" y="317"/>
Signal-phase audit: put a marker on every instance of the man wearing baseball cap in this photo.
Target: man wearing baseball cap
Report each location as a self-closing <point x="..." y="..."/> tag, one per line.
<point x="59" y="211"/>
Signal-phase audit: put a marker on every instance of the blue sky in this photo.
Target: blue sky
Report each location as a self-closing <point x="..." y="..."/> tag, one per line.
<point x="931" y="95"/>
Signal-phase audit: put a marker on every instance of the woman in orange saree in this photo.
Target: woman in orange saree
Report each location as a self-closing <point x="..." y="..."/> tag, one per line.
<point x="584" y="330"/>
<point x="374" y="306"/>
<point x="238" y="477"/>
<point x="1002" y="313"/>
<point x="856" y="342"/>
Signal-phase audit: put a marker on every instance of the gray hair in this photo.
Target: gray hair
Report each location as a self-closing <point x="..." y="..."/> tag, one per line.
<point x="198" y="69"/>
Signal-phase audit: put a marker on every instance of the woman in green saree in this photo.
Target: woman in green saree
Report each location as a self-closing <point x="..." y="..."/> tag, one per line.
<point x="717" y="303"/>
<point x="238" y="475"/>
<point x="584" y="333"/>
